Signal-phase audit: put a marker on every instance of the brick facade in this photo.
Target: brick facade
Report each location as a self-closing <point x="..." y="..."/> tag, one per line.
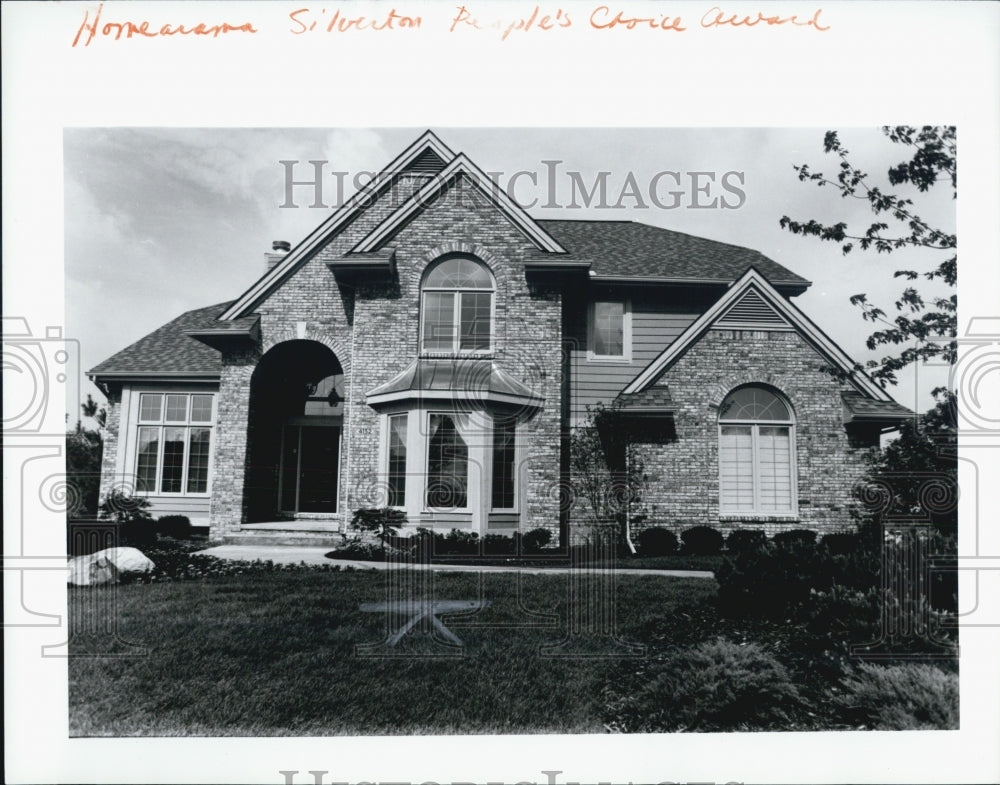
<point x="684" y="475"/>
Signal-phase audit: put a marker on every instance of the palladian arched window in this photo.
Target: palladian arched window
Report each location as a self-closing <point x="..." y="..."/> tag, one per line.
<point x="457" y="307"/>
<point x="756" y="453"/>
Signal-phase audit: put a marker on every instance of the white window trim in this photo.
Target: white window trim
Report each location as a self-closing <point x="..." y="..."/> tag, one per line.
<point x="162" y="423"/>
<point x="626" y="356"/>
<point x="516" y="477"/>
<point x="384" y="455"/>
<point x="456" y="337"/>
<point x="425" y="473"/>
<point x="793" y="513"/>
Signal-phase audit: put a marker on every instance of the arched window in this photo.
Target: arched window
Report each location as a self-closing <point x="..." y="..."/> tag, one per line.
<point x="457" y="307"/>
<point x="756" y="453"/>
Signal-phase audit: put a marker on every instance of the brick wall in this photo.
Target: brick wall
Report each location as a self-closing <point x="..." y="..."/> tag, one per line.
<point x="684" y="485"/>
<point x="373" y="328"/>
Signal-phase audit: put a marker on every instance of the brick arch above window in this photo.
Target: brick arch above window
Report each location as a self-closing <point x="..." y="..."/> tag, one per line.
<point x="779" y="383"/>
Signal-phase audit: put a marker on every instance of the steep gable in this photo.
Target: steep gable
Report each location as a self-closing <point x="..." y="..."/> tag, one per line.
<point x="766" y="303"/>
<point x="426" y="156"/>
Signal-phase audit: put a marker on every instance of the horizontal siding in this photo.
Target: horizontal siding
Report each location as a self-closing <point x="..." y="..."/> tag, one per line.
<point x="654" y="327"/>
<point x="195" y="508"/>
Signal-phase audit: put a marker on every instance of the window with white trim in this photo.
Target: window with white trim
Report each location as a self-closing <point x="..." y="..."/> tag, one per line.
<point x="610" y="330"/>
<point x="396" y="457"/>
<point x="447" y="463"/>
<point x="502" y="488"/>
<point x="174" y="443"/>
<point x="457" y="307"/>
<point x="756" y="454"/>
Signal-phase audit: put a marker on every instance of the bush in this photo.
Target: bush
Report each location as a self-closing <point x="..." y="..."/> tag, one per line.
<point x="501" y="544"/>
<point x="456" y="543"/>
<point x="796" y="538"/>
<point x="131" y="513"/>
<point x="383" y="521"/>
<point x="176" y="526"/>
<point x="701" y="541"/>
<point x="715" y="686"/>
<point x="840" y="543"/>
<point x="770" y="582"/>
<point x="656" y="541"/>
<point x="535" y="540"/>
<point x="900" y="697"/>
<point x="745" y="540"/>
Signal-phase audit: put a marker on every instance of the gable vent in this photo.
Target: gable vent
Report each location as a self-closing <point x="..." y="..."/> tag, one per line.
<point x="428" y="162"/>
<point x="751" y="310"/>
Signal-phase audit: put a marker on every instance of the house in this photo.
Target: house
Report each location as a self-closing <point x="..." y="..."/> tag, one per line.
<point x="432" y="347"/>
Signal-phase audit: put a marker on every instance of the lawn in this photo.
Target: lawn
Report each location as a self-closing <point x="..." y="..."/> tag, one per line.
<point x="274" y="653"/>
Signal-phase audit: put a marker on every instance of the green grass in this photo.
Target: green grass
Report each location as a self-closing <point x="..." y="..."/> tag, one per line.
<point x="275" y="654"/>
<point x="676" y="561"/>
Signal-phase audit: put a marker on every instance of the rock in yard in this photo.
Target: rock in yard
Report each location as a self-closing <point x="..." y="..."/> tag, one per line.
<point x="105" y="566"/>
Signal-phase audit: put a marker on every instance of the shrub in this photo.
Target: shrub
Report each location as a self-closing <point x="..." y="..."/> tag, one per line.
<point x="535" y="540"/>
<point x="131" y="513"/>
<point x="715" y="686"/>
<point x="770" y="582"/>
<point x="501" y="544"/>
<point x="656" y="541"/>
<point x="383" y="521"/>
<point x="900" y="697"/>
<point x="456" y="543"/>
<point x="840" y="543"/>
<point x="745" y="540"/>
<point x="176" y="526"/>
<point x="796" y="538"/>
<point x="701" y="541"/>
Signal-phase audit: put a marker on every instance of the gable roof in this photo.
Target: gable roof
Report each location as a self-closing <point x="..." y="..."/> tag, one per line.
<point x="445" y="179"/>
<point x="168" y="351"/>
<point x="753" y="280"/>
<point x="618" y="250"/>
<point x="421" y="157"/>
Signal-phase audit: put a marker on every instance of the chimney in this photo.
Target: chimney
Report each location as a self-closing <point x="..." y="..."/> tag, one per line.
<point x="279" y="249"/>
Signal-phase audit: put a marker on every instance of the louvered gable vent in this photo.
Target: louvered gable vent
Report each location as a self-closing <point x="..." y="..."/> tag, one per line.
<point x="752" y="311"/>
<point x="428" y="162"/>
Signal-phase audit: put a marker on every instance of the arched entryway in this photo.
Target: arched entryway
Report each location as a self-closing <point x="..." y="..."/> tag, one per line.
<point x="296" y="421"/>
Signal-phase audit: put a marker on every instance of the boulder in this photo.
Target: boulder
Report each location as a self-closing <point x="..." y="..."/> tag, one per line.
<point x="105" y="566"/>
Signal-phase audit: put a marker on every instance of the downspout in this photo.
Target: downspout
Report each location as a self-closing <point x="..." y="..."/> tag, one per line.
<point x="348" y="417"/>
<point x="628" y="503"/>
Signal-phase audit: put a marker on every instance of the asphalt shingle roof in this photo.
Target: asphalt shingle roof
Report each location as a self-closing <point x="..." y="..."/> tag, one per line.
<point x="168" y="350"/>
<point x="654" y="399"/>
<point x="630" y="249"/>
<point x="862" y="408"/>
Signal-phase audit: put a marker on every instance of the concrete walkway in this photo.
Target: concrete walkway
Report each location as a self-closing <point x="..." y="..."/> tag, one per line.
<point x="293" y="554"/>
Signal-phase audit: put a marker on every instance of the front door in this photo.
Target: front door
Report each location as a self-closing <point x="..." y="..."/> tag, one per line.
<point x="310" y="467"/>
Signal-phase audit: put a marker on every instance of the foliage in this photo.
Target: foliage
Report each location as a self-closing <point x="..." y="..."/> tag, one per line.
<point x="456" y="543"/>
<point x="535" y="540"/>
<point x="910" y="696"/>
<point x="135" y="525"/>
<point x="795" y="538"/>
<point x="609" y="475"/>
<point x="916" y="476"/>
<point x="715" y="686"/>
<point x="656" y="541"/>
<point x="840" y="543"/>
<point x="922" y="321"/>
<point x="84" y="451"/>
<point x="501" y="544"/>
<point x="94" y="411"/>
<point x="740" y="540"/>
<point x="177" y="527"/>
<point x="769" y="582"/>
<point x="701" y="541"/>
<point x="383" y="521"/>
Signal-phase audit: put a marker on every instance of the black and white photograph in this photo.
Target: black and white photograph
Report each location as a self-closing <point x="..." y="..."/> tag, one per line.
<point x="623" y="438"/>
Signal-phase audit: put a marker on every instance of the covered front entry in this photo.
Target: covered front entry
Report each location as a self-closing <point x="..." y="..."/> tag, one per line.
<point x="296" y="425"/>
<point x="310" y="465"/>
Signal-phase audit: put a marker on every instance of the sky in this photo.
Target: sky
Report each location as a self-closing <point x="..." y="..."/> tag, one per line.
<point x="159" y="221"/>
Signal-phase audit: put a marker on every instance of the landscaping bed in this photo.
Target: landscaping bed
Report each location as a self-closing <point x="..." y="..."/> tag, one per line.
<point x="245" y="649"/>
